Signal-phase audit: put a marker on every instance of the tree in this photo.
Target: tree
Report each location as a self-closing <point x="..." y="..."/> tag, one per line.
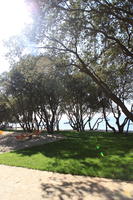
<point x="86" y="31"/>
<point x="80" y="100"/>
<point x="110" y="108"/>
<point x="34" y="93"/>
<point x="5" y="112"/>
<point x="121" y="84"/>
<point x="49" y="99"/>
<point x="20" y="92"/>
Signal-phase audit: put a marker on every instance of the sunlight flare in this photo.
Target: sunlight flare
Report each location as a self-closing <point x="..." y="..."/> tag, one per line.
<point x="14" y="16"/>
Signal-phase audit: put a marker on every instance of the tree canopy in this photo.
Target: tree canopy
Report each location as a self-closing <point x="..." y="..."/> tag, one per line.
<point x="69" y="38"/>
<point x="94" y="34"/>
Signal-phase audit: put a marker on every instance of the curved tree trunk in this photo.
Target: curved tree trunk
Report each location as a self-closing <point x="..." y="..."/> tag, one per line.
<point x="107" y="91"/>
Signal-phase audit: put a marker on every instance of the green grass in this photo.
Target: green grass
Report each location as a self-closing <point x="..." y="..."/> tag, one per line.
<point x="79" y="154"/>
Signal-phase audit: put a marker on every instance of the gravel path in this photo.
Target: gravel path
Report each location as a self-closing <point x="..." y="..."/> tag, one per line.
<point x="18" y="183"/>
<point x="8" y="142"/>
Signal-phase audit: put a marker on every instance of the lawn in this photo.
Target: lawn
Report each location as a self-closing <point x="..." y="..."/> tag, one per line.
<point x="103" y="155"/>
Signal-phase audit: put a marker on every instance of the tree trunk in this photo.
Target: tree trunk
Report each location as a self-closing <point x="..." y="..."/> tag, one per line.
<point x="106" y="90"/>
<point x="50" y="128"/>
<point x="121" y="129"/>
<point x="57" y="126"/>
<point x="104" y="114"/>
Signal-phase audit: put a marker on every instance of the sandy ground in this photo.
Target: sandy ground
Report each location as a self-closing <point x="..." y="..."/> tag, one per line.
<point x="8" y="142"/>
<point x="18" y="183"/>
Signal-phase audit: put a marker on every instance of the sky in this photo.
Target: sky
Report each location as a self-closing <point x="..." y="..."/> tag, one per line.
<point x="14" y="16"/>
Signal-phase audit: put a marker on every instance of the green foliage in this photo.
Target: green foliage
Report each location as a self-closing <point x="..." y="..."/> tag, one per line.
<point x="80" y="100"/>
<point x="96" y="36"/>
<point x="34" y="93"/>
<point x="93" y="36"/>
<point x="5" y="114"/>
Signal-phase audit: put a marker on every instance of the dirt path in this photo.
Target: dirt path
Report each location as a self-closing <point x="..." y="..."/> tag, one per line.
<point x="18" y="183"/>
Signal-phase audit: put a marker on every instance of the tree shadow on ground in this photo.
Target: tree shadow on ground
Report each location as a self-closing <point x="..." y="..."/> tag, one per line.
<point x="80" y="190"/>
<point x="80" y="148"/>
<point x="63" y="149"/>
